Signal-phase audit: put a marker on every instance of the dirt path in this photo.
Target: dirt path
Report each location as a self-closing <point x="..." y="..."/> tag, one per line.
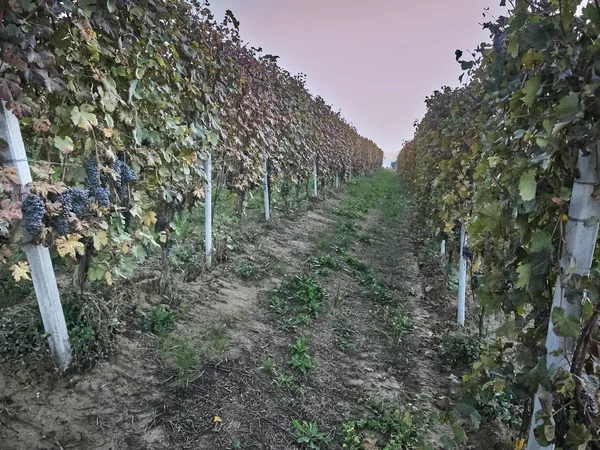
<point x="246" y="395"/>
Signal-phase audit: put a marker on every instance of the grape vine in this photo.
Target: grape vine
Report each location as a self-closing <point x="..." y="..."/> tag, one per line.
<point x="126" y="98"/>
<point x="499" y="155"/>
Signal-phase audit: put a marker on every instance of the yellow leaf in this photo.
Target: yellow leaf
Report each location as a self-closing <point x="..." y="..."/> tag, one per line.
<point x="70" y="245"/>
<point x="149" y="219"/>
<point x="20" y="271"/>
<point x="217" y="419"/>
<point x="108" y="132"/>
<point x="108" y="278"/>
<point x="126" y="248"/>
<point x="100" y="240"/>
<point x="520" y="444"/>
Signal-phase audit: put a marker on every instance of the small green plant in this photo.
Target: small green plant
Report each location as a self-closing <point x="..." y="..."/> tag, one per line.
<point x="279" y="378"/>
<point x="158" y="321"/>
<point x="300" y="359"/>
<point x="459" y="348"/>
<point x="398" y="429"/>
<point x="365" y="237"/>
<point x="344" y="334"/>
<point x="401" y="324"/>
<point x="181" y="356"/>
<point x="299" y="298"/>
<point x="215" y="340"/>
<point x="248" y="272"/>
<point x="308" y="434"/>
<point x="321" y="264"/>
<point x="357" y="265"/>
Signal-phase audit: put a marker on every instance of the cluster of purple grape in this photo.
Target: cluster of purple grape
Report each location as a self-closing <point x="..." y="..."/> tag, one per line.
<point x="590" y="403"/>
<point x="96" y="190"/>
<point x="34" y="210"/>
<point x="73" y="201"/>
<point x="125" y="174"/>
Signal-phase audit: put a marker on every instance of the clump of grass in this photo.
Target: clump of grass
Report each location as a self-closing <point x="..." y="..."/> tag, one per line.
<point x="298" y="299"/>
<point x="181" y="356"/>
<point x="321" y="265"/>
<point x="402" y="428"/>
<point x="344" y="334"/>
<point x="460" y="349"/>
<point x="158" y="321"/>
<point x="280" y="379"/>
<point x="248" y="272"/>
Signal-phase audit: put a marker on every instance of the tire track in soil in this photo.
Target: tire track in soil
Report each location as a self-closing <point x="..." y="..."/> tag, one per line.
<point x="257" y="413"/>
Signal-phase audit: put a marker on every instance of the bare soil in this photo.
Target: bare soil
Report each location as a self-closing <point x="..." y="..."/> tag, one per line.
<point x="129" y="402"/>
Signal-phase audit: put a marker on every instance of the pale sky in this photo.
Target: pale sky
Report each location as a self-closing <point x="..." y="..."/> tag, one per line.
<point x="376" y="60"/>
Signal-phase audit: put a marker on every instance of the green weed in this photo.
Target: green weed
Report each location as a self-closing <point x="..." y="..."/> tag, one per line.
<point x="181" y="356"/>
<point x="344" y="334"/>
<point x="300" y="359"/>
<point x="320" y="265"/>
<point x="300" y="299"/>
<point x="279" y="378"/>
<point x="308" y="435"/>
<point x="398" y="429"/>
<point x="460" y="349"/>
<point x="247" y="271"/>
<point x="158" y="321"/>
<point x="401" y="324"/>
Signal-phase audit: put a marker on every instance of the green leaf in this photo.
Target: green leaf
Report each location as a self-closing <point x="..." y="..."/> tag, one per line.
<point x="578" y="437"/>
<point x="83" y="117"/>
<point x="447" y="442"/>
<point x="64" y="145"/>
<point x="531" y="88"/>
<point x="528" y="185"/>
<point x="524" y="272"/>
<point x="460" y="437"/>
<point x="540" y="241"/>
<point x="568" y="105"/>
<point x="565" y="326"/>
<point x="470" y="412"/>
<point x="567" y="12"/>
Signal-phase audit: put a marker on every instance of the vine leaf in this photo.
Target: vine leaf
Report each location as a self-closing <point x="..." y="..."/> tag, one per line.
<point x="568" y="105"/>
<point x="524" y="272"/>
<point x="565" y="326"/>
<point x="578" y="437"/>
<point x="540" y="241"/>
<point x="64" y="145"/>
<point x="70" y="246"/>
<point x="100" y="240"/>
<point x="20" y="271"/>
<point x="531" y="88"/>
<point x="527" y="185"/>
<point x="83" y="117"/>
<point x="469" y="412"/>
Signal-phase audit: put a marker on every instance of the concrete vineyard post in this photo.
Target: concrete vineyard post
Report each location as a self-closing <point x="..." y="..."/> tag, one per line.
<point x="208" y="211"/>
<point x="337" y="180"/>
<point x="266" y="193"/>
<point x="443" y="248"/>
<point x="581" y="232"/>
<point x="462" y="278"/>
<point x="315" y="192"/>
<point x="38" y="256"/>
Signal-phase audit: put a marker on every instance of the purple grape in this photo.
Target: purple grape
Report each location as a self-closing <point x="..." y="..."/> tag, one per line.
<point x="62" y="224"/>
<point x="92" y="172"/>
<point x="34" y="210"/>
<point x="102" y="195"/>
